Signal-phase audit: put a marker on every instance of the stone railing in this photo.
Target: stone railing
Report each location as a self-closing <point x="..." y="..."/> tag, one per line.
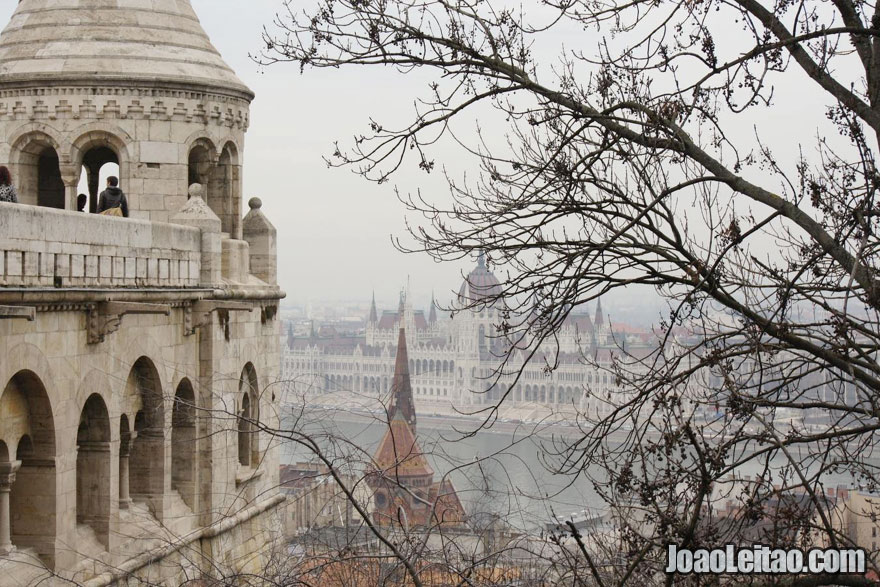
<point x="48" y="248"/>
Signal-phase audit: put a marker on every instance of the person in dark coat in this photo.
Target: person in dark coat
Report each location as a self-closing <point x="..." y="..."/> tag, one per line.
<point x="113" y="197"/>
<point x="7" y="190"/>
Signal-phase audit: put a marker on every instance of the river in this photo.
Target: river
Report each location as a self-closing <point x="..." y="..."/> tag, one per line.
<point x="499" y="470"/>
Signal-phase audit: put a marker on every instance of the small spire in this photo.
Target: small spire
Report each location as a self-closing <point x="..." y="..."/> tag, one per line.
<point x="599" y="321"/>
<point x="312" y="334"/>
<point x="432" y="316"/>
<point x="481" y="259"/>
<point x="290" y="335"/>
<point x="374" y="316"/>
<point x="402" y="309"/>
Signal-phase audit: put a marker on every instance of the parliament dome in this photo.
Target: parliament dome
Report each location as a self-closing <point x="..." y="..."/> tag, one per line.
<point x="479" y="284"/>
<point x="154" y="42"/>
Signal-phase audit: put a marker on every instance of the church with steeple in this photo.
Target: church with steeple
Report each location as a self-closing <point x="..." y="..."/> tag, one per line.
<point x="405" y="492"/>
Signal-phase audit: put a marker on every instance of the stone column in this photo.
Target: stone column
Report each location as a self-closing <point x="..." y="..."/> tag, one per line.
<point x="70" y="177"/>
<point x="7" y="478"/>
<point x="93" y="172"/>
<point x="124" y="453"/>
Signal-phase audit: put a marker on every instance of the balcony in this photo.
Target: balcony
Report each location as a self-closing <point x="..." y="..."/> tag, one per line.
<point x="49" y="248"/>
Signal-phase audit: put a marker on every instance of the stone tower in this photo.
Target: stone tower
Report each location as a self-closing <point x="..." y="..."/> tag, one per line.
<point x="137" y="355"/>
<point x="84" y="83"/>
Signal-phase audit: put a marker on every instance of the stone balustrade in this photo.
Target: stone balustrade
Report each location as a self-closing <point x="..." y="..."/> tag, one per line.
<point x="49" y="248"/>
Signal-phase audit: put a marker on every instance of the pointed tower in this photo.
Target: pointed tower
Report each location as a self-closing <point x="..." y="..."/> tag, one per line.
<point x="374" y="315"/>
<point x="290" y="335"/>
<point x="599" y="321"/>
<point x="432" y="317"/>
<point x="401" y="388"/>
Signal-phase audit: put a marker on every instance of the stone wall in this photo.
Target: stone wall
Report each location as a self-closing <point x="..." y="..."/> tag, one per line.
<point x="89" y="250"/>
<point x="50" y="364"/>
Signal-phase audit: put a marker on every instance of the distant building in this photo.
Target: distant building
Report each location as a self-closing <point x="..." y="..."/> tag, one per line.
<point x="454" y="361"/>
<point x="315" y="500"/>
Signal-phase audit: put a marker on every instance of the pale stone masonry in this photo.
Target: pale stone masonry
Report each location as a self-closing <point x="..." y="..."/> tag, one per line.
<point x="139" y="356"/>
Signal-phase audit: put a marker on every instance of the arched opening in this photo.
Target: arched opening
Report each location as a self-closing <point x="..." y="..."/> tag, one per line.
<point x="222" y="190"/>
<point x="39" y="172"/>
<point x="147" y="460"/>
<point x="244" y="432"/>
<point x="183" y="443"/>
<point x="201" y="162"/>
<point x="99" y="163"/>
<point x="93" y="469"/>
<point x="29" y="500"/>
<point x="248" y="416"/>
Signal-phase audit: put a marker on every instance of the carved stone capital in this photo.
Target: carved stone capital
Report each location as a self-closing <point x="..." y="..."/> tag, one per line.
<point x="7" y="474"/>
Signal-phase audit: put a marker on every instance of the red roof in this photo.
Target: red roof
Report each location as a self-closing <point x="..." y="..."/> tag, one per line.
<point x="399" y="454"/>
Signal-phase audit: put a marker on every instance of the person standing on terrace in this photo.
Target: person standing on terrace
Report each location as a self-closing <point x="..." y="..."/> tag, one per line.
<point x="112" y="201"/>
<point x="7" y="190"/>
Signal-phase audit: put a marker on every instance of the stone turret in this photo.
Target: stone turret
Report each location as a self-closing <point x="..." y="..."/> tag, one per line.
<point x="261" y="237"/>
<point x="84" y="83"/>
<point x="136" y="353"/>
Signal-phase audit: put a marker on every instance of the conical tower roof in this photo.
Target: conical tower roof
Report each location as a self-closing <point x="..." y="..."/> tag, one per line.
<point x="117" y="42"/>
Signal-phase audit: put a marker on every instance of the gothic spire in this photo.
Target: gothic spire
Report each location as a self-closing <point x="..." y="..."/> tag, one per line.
<point x="374" y="316"/>
<point x="401" y="309"/>
<point x="290" y="335"/>
<point x="401" y="388"/>
<point x="599" y="321"/>
<point x="432" y="317"/>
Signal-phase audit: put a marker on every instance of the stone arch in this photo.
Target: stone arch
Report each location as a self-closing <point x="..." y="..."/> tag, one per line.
<point x="248" y="418"/>
<point x="93" y="469"/>
<point x="28" y="431"/>
<point x="96" y="145"/>
<point x="201" y="158"/>
<point x="183" y="443"/>
<point x="143" y="392"/>
<point x="224" y="188"/>
<point x="36" y="161"/>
